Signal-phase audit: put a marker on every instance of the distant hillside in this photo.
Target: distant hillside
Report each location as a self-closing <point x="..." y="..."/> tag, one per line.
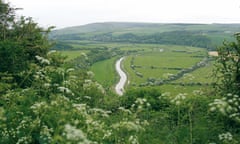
<point x="102" y="27"/>
<point x="201" y="35"/>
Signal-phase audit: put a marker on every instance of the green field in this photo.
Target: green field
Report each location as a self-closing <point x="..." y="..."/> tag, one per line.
<point x="105" y="72"/>
<point x="73" y="54"/>
<point x="156" y="64"/>
<point x="191" y="91"/>
<point x="150" y="61"/>
<point x="202" y="75"/>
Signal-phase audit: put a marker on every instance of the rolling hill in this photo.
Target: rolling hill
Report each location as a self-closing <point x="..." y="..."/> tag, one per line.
<point x="200" y="35"/>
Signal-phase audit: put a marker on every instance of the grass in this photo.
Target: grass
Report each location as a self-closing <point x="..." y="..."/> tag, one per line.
<point x="174" y="90"/>
<point x="151" y="63"/>
<point x="73" y="54"/>
<point x="156" y="64"/>
<point x="105" y="72"/>
<point x="201" y="75"/>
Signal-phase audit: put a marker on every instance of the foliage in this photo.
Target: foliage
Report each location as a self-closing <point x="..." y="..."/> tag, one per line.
<point x="21" y="40"/>
<point x="228" y="67"/>
<point x="12" y="57"/>
<point x="150" y="94"/>
<point x="62" y="46"/>
<point x="228" y="75"/>
<point x="227" y="88"/>
<point x="37" y="114"/>
<point x="174" y="37"/>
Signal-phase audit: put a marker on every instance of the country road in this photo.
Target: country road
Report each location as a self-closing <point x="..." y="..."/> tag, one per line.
<point x="123" y="77"/>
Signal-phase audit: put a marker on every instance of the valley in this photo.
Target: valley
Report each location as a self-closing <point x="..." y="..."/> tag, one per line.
<point x="120" y="82"/>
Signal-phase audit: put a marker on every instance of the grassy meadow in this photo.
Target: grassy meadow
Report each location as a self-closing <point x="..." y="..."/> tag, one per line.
<point x="104" y="72"/>
<point x="149" y="61"/>
<point x="73" y="54"/>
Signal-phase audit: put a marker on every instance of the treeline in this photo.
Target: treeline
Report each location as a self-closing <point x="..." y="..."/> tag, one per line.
<point x="62" y="46"/>
<point x="189" y="38"/>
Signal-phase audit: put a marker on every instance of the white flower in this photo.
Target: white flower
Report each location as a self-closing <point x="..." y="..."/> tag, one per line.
<point x="24" y="140"/>
<point x="229" y="94"/>
<point x="179" y="98"/>
<point x="87" y="97"/>
<point x="212" y="108"/>
<point x="85" y="56"/>
<point x="225" y="136"/>
<point x="166" y="94"/>
<point x="100" y="111"/>
<point x="42" y="60"/>
<point x="45" y="133"/>
<point x="131" y="126"/>
<point x="38" y="106"/>
<point x="177" y="102"/>
<point x="148" y="104"/>
<point x="47" y="85"/>
<point x="74" y="134"/>
<point x="133" y="140"/>
<point x="64" y="90"/>
<point x="125" y="110"/>
<point x="90" y="74"/>
<point x="70" y="70"/>
<point x="140" y="107"/>
<point x="107" y="134"/>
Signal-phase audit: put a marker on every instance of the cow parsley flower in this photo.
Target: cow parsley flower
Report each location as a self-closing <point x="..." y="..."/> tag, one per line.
<point x="42" y="60"/>
<point x="64" y="90"/>
<point x="38" y="106"/>
<point x="179" y="98"/>
<point x="74" y="134"/>
<point x="133" y="140"/>
<point x="225" y="136"/>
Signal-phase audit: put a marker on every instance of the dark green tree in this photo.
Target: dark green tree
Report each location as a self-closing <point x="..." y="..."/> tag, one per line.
<point x="228" y="67"/>
<point x="227" y="71"/>
<point x="21" y="40"/>
<point x="7" y="16"/>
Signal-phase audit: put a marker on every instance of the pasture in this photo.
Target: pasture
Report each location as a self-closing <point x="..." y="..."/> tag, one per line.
<point x="104" y="72"/>
<point x="161" y="63"/>
<point x="73" y="54"/>
<point x="147" y="64"/>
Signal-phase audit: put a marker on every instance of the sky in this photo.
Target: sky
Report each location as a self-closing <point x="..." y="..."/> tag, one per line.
<point x="65" y="13"/>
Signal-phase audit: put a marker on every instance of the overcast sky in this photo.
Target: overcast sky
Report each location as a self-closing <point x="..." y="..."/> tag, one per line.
<point x="64" y="13"/>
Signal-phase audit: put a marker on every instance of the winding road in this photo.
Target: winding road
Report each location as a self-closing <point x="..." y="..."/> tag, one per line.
<point x="123" y="78"/>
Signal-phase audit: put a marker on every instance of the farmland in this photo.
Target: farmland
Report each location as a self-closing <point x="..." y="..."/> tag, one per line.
<point x="165" y="66"/>
<point x="146" y="64"/>
<point x="72" y="54"/>
<point x="104" y="72"/>
<point x="154" y="52"/>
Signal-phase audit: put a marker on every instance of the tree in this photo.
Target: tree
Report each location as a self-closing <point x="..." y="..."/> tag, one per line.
<point x="228" y="85"/>
<point x="228" y="67"/>
<point x="21" y="40"/>
<point x="7" y="16"/>
<point x="11" y="57"/>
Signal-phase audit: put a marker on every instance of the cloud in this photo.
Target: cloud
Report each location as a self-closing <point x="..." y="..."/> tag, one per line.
<point x="76" y="12"/>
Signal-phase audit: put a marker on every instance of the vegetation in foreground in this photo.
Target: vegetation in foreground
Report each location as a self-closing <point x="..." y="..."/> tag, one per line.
<point x="45" y="99"/>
